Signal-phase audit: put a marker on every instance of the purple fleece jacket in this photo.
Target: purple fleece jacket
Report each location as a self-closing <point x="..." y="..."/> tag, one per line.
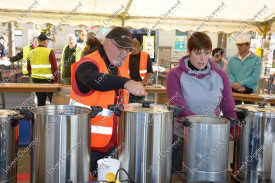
<point x="202" y="92"/>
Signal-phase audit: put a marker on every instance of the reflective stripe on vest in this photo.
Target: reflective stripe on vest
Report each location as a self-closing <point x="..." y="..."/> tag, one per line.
<point x="104" y="112"/>
<point x="40" y="63"/>
<point x="41" y="66"/>
<point x="77" y="54"/>
<point x="26" y="51"/>
<point x="142" y="63"/>
<point x="101" y="130"/>
<point x="102" y="126"/>
<point x="24" y="68"/>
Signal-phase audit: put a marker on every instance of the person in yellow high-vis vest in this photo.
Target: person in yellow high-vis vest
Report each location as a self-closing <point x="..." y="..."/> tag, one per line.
<point x="71" y="53"/>
<point x="42" y="67"/>
<point x="101" y="79"/>
<point x="140" y="68"/>
<point x="24" y="55"/>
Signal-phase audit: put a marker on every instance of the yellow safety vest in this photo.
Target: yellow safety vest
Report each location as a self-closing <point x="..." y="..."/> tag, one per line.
<point x="26" y="51"/>
<point x="78" y="53"/>
<point x="40" y="63"/>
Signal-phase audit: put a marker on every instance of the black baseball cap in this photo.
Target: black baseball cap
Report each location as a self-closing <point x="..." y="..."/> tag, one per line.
<point x="43" y="37"/>
<point x="122" y="37"/>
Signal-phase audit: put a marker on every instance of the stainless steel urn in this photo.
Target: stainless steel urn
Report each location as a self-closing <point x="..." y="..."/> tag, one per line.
<point x="145" y="141"/>
<point x="8" y="141"/>
<point x="62" y="136"/>
<point x="253" y="143"/>
<point x="206" y="144"/>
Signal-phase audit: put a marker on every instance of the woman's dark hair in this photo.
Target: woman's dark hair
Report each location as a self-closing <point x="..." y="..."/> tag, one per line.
<point x="199" y="41"/>
<point x="92" y="40"/>
<point x="217" y="50"/>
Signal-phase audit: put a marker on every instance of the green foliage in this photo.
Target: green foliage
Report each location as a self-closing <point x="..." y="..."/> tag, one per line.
<point x="48" y="29"/>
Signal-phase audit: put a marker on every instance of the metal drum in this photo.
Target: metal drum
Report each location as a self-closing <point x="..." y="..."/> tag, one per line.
<point x="62" y="138"/>
<point x="206" y="144"/>
<point x="8" y="141"/>
<point x="253" y="143"/>
<point x="145" y="138"/>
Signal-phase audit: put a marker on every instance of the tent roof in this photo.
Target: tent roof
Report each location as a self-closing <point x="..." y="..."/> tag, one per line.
<point x="200" y="15"/>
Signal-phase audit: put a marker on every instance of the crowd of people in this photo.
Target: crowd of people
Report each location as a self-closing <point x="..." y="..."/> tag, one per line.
<point x="106" y="73"/>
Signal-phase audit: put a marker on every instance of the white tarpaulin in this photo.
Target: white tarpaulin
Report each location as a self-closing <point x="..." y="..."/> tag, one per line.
<point x="198" y="15"/>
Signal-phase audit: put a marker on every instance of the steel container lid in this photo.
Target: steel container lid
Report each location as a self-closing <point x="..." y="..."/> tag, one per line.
<point x="200" y="119"/>
<point x="8" y="117"/>
<point x="7" y="113"/>
<point x="64" y="110"/>
<point x="146" y="108"/>
<point x="256" y="108"/>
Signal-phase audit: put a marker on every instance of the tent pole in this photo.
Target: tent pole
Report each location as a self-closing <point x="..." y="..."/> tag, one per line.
<point x="11" y="39"/>
<point x="220" y="36"/>
<point x="124" y="14"/>
<point x="225" y="43"/>
<point x="122" y="22"/>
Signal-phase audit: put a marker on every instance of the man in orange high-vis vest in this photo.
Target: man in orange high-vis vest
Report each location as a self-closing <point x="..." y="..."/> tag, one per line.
<point x="140" y="68"/>
<point x="101" y="79"/>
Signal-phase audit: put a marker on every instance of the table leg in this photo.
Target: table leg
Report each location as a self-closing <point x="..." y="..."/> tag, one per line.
<point x="3" y="100"/>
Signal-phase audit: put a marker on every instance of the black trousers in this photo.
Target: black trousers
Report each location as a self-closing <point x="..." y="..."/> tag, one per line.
<point x="177" y="153"/>
<point x="42" y="96"/>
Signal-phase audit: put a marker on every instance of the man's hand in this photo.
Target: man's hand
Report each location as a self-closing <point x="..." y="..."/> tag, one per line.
<point x="236" y="85"/>
<point x="241" y="89"/>
<point x="135" y="88"/>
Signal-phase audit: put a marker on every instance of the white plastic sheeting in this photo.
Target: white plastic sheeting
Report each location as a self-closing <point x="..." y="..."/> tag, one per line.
<point x="201" y="15"/>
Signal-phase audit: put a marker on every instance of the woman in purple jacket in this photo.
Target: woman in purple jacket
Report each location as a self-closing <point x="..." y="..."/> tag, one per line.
<point x="199" y="86"/>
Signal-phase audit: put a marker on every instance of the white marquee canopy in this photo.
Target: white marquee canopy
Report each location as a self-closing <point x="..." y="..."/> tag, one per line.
<point x="198" y="15"/>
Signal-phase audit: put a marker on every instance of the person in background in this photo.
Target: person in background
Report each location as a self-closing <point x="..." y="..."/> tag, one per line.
<point x="244" y="69"/>
<point x="92" y="44"/>
<point x="197" y="84"/>
<point x="4" y="45"/>
<point x="140" y="68"/>
<point x="82" y="38"/>
<point x="24" y="55"/>
<point x="4" y="51"/>
<point x="70" y="54"/>
<point x="42" y="67"/>
<point x="218" y="59"/>
<point x="101" y="79"/>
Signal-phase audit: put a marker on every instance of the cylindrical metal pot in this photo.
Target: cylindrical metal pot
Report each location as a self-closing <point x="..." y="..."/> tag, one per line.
<point x="253" y="143"/>
<point x="8" y="141"/>
<point x="62" y="144"/>
<point x="206" y="143"/>
<point x="145" y="141"/>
